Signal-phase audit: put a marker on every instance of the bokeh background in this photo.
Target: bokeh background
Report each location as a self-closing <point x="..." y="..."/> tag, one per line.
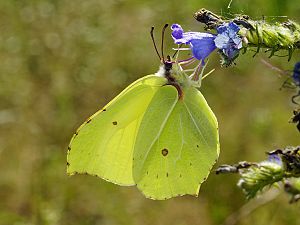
<point x="60" y="61"/>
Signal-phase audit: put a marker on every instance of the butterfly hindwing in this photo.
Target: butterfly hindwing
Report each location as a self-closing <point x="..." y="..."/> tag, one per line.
<point x="177" y="144"/>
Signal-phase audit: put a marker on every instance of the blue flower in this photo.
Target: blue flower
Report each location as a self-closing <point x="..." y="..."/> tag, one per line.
<point x="228" y="39"/>
<point x="202" y="44"/>
<point x="275" y="158"/>
<point x="296" y="73"/>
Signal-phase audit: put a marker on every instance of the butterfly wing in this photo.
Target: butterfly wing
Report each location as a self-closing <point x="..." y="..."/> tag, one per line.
<point x="103" y="145"/>
<point x="177" y="144"/>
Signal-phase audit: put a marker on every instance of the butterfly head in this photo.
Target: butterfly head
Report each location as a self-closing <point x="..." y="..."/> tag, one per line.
<point x="165" y="69"/>
<point x="166" y="62"/>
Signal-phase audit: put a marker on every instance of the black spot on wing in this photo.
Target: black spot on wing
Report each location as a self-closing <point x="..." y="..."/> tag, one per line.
<point x="103" y="110"/>
<point x="164" y="152"/>
<point x="115" y="123"/>
<point x="89" y="120"/>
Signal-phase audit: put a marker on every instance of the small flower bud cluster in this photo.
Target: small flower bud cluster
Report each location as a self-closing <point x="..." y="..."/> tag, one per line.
<point x="281" y="165"/>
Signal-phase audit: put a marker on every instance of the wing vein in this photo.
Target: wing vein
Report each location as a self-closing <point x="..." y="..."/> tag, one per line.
<point x="160" y="130"/>
<point x="193" y="119"/>
<point x="182" y="139"/>
<point x="116" y="153"/>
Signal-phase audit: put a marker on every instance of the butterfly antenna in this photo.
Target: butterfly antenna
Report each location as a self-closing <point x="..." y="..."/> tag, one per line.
<point x="153" y="41"/>
<point x="162" y="41"/>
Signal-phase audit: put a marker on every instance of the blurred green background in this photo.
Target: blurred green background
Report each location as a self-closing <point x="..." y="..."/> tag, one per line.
<point x="60" y="61"/>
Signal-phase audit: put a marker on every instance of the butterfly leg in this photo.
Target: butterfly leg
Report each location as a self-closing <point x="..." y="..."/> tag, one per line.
<point x="291" y="50"/>
<point x="287" y="84"/>
<point x="295" y="97"/>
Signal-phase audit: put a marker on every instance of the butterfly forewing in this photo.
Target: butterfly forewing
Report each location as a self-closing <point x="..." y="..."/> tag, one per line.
<point x="103" y="145"/>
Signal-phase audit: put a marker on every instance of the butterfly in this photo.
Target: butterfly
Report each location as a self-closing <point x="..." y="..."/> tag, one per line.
<point x="158" y="134"/>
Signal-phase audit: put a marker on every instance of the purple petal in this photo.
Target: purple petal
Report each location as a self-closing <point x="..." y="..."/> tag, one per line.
<point x="201" y="48"/>
<point x="177" y="31"/>
<point x="233" y="27"/>
<point x="202" y="44"/>
<point x="230" y="52"/>
<point x="181" y="37"/>
<point x="274" y="158"/>
<point x="187" y="37"/>
<point x="221" y="29"/>
<point x="228" y="40"/>
<point x="221" y="41"/>
<point x="176" y="26"/>
<point x="238" y="42"/>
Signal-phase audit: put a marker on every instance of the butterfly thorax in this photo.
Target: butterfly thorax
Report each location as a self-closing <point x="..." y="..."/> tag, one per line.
<point x="167" y="71"/>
